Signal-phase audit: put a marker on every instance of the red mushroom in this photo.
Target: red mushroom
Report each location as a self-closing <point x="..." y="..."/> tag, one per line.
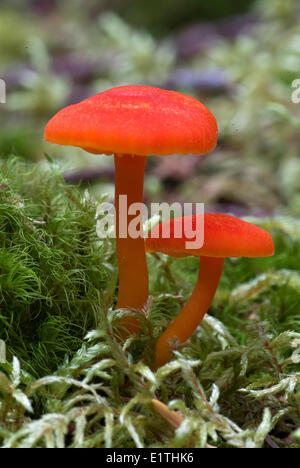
<point x="132" y="122"/>
<point x="224" y="236"/>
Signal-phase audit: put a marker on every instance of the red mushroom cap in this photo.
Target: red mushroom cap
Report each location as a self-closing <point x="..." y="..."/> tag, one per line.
<point x="224" y="236"/>
<point x="139" y="120"/>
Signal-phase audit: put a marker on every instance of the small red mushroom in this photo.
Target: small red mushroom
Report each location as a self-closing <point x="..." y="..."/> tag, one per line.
<point x="132" y="122"/>
<point x="224" y="236"/>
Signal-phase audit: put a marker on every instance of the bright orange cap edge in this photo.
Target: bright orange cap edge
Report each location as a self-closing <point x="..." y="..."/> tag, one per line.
<point x="224" y="236"/>
<point x="139" y="120"/>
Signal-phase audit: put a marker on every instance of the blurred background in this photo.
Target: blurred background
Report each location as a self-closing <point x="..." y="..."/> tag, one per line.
<point x="239" y="58"/>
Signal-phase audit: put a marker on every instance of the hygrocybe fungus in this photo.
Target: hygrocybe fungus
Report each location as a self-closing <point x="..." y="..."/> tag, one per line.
<point x="224" y="236"/>
<point x="132" y="122"/>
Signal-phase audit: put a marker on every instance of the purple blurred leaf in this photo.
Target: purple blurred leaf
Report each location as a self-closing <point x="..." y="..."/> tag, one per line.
<point x="15" y="76"/>
<point x="78" y="93"/>
<point x="176" y="167"/>
<point x="89" y="175"/>
<point x="43" y="6"/>
<point x="77" y="67"/>
<point x="236" y="25"/>
<point x="207" y="80"/>
<point x="196" y="38"/>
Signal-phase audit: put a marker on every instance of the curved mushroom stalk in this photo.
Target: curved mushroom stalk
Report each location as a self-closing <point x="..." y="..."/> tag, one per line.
<point x="133" y="273"/>
<point x="192" y="313"/>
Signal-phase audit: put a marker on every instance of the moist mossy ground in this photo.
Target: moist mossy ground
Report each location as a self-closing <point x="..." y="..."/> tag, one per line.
<point x="69" y="382"/>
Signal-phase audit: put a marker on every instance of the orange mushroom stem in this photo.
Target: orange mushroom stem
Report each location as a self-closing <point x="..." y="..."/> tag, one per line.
<point x="191" y="315"/>
<point x="133" y="273"/>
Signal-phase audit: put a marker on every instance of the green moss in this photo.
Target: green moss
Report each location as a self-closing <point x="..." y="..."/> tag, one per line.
<point x="236" y="381"/>
<point x="53" y="269"/>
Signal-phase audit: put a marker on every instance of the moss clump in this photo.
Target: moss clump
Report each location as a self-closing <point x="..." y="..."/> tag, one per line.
<point x="54" y="271"/>
<point x="235" y="382"/>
